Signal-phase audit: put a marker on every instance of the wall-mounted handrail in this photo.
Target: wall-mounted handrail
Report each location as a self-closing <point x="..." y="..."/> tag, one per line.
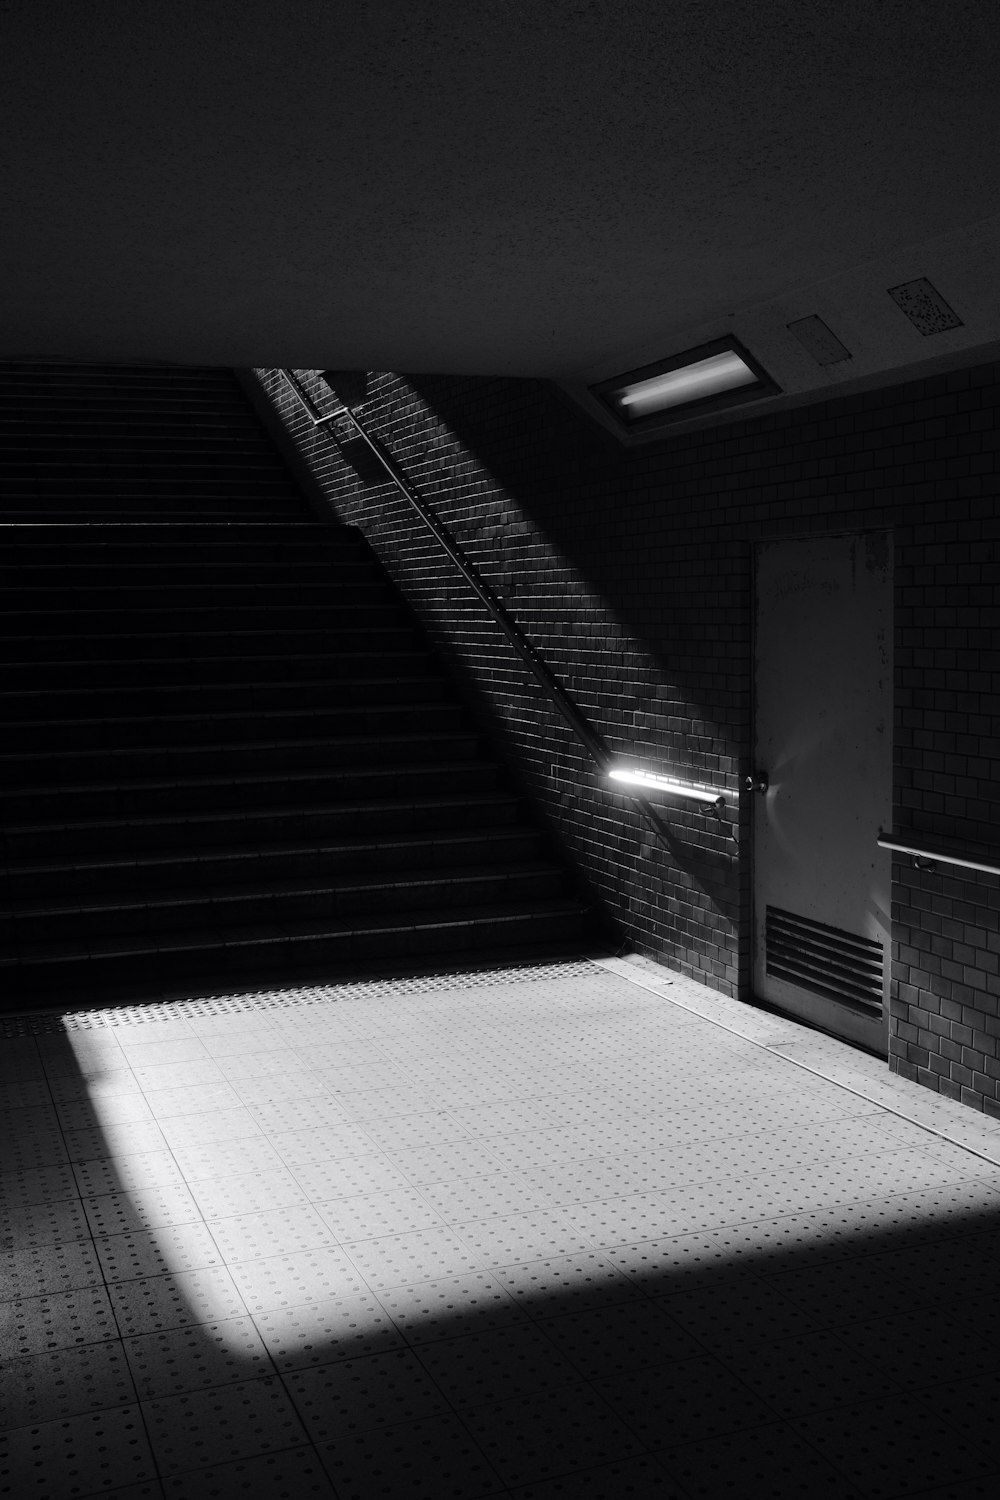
<point x="570" y="712"/>
<point x="966" y="858"/>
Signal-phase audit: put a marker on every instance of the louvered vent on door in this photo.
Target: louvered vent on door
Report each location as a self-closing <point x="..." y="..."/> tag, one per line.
<point x="826" y="960"/>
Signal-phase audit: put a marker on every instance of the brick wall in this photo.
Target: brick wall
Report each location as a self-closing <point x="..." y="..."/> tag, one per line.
<point x="631" y="571"/>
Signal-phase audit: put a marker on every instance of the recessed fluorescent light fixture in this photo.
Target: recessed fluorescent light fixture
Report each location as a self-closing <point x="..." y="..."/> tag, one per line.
<point x="706" y="379"/>
<point x="652" y="782"/>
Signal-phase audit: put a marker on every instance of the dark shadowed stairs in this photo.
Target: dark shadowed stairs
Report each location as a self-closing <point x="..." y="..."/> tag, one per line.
<point x="228" y="753"/>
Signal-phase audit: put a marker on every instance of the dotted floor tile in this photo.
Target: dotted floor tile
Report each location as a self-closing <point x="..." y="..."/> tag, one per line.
<point x="683" y="1400"/>
<point x="277" y="1089"/>
<point x="738" y="1318"/>
<point x="482" y="1197"/>
<point x="367" y="1215"/>
<point x="495" y="1365"/>
<point x="206" y="1129"/>
<point x="355" y="1395"/>
<point x="106" y="1110"/>
<point x="158" y="1252"/>
<point x="512" y="1238"/>
<point x="410" y="1131"/>
<point x="288" y="1475"/>
<point x="179" y="1074"/>
<point x="59" y="1320"/>
<point x="64" y="1382"/>
<point x="252" y="1192"/>
<point x="141" y="1208"/>
<point x="259" y="1062"/>
<point x="770" y="1461"/>
<point x="814" y="1372"/>
<point x="529" y="1438"/>
<point x="25" y="1093"/>
<point x="78" y="1455"/>
<point x="36" y="1185"/>
<point x="350" y="1176"/>
<point x="565" y="1283"/>
<point x="114" y="1140"/>
<point x="321" y="1332"/>
<point x="48" y="1268"/>
<point x="622" y="1336"/>
<point x="640" y="1478"/>
<point x="205" y="1098"/>
<point x="299" y="1148"/>
<point x="896" y="1446"/>
<point x="294" y="1280"/>
<point x="226" y="1423"/>
<point x="314" y="1112"/>
<point x="35" y="1224"/>
<point x="433" y="1459"/>
<point x="228" y="1158"/>
<point x="174" y="1301"/>
<point x="432" y="1310"/>
<point x="26" y="1150"/>
<point x="126" y="1174"/>
<point x="281" y="1231"/>
<point x="422" y="1255"/>
<point x="176" y="1360"/>
<point x="425" y="1165"/>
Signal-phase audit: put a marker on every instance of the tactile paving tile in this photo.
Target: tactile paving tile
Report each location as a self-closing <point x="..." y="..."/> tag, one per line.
<point x="433" y="1459"/>
<point x="183" y="1297"/>
<point x="226" y="1423"/>
<point x="770" y="1460"/>
<point x="97" y="1177"/>
<point x="79" y="1455"/>
<point x="36" y="1224"/>
<point x="496" y="1364"/>
<point x="531" y="1438"/>
<point x="321" y="1332"/>
<point x="32" y="1272"/>
<point x="895" y="1446"/>
<point x="425" y="1165"/>
<point x="36" y="1185"/>
<point x="207" y="1129"/>
<point x="227" y="1158"/>
<point x="294" y="1280"/>
<point x="355" y="1395"/>
<point x="176" y="1360"/>
<point x="200" y="1098"/>
<point x="157" y="1252"/>
<point x="512" y="1238"/>
<point x="57" y="1320"/>
<point x="350" y="1176"/>
<point x="64" y="1382"/>
<point x="281" y="1231"/>
<point x="569" y="1282"/>
<point x="298" y="1148"/>
<point x="620" y="1337"/>
<point x="421" y="1255"/>
<point x="292" y="1474"/>
<point x="484" y="1197"/>
<point x="368" y="1215"/>
<point x="115" y="1140"/>
<point x="141" y="1208"/>
<point x="432" y="1310"/>
<point x="251" y="1192"/>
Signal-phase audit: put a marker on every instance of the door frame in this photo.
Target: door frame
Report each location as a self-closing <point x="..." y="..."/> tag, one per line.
<point x="797" y="534"/>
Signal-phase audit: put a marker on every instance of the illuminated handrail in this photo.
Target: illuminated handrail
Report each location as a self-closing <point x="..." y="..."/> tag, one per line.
<point x="966" y="859"/>
<point x="572" y="715"/>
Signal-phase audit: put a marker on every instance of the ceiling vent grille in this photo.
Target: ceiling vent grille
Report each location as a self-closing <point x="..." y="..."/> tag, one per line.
<point x="838" y="965"/>
<point x="819" y="340"/>
<point x="924" y="306"/>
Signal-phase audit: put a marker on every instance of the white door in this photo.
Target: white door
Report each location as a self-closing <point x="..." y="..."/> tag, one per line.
<point x="823" y="716"/>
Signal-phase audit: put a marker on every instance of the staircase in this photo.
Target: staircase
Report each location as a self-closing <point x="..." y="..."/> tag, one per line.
<point x="230" y="757"/>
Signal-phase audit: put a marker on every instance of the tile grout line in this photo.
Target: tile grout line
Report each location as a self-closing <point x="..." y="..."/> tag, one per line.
<point x="655" y="987"/>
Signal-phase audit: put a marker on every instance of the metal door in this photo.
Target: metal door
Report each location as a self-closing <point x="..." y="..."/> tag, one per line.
<point x="823" y="717"/>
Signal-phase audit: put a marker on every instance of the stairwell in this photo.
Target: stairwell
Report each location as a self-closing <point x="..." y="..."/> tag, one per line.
<point x="229" y="754"/>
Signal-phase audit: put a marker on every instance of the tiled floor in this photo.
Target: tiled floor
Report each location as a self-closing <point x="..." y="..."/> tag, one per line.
<point x="586" y="1231"/>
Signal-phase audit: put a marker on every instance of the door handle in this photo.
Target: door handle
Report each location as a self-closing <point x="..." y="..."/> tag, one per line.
<point x="757" y="782"/>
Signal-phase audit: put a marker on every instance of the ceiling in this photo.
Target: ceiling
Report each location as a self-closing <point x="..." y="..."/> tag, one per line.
<point x="564" y="189"/>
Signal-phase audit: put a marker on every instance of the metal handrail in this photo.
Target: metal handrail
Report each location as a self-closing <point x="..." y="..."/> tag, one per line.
<point x="572" y="715"/>
<point x="967" y="860"/>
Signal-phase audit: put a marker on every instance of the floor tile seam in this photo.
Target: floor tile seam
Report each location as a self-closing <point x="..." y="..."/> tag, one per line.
<point x="899" y="1110"/>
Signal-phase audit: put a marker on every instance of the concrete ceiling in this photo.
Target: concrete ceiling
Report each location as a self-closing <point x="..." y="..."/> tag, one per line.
<point x="560" y="189"/>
